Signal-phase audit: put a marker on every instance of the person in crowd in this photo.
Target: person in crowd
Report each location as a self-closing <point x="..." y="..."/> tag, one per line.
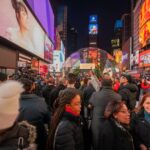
<point x="140" y="124"/>
<point x="71" y="80"/>
<point x="84" y="83"/>
<point x="55" y="92"/>
<point x="3" y="77"/>
<point x="145" y="86"/>
<point x="14" y="135"/>
<point x="65" y="129"/>
<point x="115" y="133"/>
<point x="47" y="89"/>
<point x="99" y="100"/>
<point x="116" y="85"/>
<point x="128" y="91"/>
<point x="34" y="109"/>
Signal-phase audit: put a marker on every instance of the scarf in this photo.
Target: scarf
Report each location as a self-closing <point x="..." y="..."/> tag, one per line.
<point x="147" y="116"/>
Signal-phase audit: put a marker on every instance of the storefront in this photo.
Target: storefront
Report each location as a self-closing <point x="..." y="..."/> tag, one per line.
<point x="8" y="60"/>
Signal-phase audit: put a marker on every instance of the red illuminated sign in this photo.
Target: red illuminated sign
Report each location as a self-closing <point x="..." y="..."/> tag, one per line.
<point x="144" y="59"/>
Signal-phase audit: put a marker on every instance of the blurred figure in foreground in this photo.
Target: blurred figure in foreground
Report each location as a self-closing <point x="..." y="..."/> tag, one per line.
<point x="14" y="135"/>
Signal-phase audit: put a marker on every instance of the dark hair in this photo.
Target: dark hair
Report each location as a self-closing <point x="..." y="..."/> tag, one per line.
<point x="107" y="82"/>
<point x="113" y="107"/>
<point x="27" y="84"/>
<point x="3" y="76"/>
<point x="71" y="78"/>
<point x="64" y="98"/>
<point x="143" y="100"/>
<point x="18" y="7"/>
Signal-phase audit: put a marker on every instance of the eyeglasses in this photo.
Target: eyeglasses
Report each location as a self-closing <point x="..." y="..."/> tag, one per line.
<point x="125" y="111"/>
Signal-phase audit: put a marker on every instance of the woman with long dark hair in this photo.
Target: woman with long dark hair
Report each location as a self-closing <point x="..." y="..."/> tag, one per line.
<point x="141" y="124"/>
<point x="65" y="128"/>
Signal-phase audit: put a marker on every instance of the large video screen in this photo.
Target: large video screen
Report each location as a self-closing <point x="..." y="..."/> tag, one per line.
<point x="20" y="27"/>
<point x="93" y="19"/>
<point x="144" y="13"/>
<point x="44" y="12"/>
<point x="144" y="34"/>
<point x="93" y="29"/>
<point x="48" y="50"/>
<point x="144" y="58"/>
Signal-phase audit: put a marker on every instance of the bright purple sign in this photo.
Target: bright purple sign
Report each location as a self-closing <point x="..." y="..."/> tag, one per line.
<point x="44" y="12"/>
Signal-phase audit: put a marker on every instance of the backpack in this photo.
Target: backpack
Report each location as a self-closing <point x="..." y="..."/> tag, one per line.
<point x="24" y="125"/>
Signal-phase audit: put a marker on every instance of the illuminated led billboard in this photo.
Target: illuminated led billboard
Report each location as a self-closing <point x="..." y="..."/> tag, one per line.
<point x="144" y="24"/>
<point x="118" y="24"/>
<point x="144" y="13"/>
<point x="93" y="29"/>
<point x="144" y="58"/>
<point x="93" y="19"/>
<point x="19" y="26"/>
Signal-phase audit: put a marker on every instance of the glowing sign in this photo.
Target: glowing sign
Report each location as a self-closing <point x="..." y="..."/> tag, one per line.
<point x="93" y="19"/>
<point x="93" y="29"/>
<point x="144" y="58"/>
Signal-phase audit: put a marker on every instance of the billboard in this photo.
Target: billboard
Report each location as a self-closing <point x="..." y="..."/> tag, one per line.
<point x="20" y="27"/>
<point x="118" y="55"/>
<point x="118" y="24"/>
<point x="93" y="19"/>
<point x="93" y="29"/>
<point x="144" y="58"/>
<point x="144" y="34"/>
<point x="58" y="60"/>
<point x="144" y="24"/>
<point x="48" y="50"/>
<point x="144" y="13"/>
<point x="44" y="12"/>
<point x="115" y="42"/>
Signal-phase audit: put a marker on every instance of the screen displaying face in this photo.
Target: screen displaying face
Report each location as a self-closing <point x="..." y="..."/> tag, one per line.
<point x="20" y="27"/>
<point x="93" y="29"/>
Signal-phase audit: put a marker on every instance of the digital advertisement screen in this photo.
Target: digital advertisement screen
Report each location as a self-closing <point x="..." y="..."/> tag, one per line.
<point x="118" y="55"/>
<point x="144" y="13"/>
<point x="92" y="55"/>
<point x="93" y="19"/>
<point x="115" y="42"/>
<point x="144" y="58"/>
<point x="44" y="12"/>
<point x="144" y="34"/>
<point x="48" y="50"/>
<point x="118" y="24"/>
<point x="93" y="29"/>
<point x="20" y="27"/>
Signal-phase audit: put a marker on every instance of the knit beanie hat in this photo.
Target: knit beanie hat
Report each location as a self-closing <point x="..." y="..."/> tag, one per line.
<point x="9" y="102"/>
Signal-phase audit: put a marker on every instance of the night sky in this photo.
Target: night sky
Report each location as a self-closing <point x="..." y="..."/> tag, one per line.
<point x="107" y="10"/>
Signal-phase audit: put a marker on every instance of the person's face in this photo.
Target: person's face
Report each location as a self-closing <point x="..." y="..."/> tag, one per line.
<point x="22" y="17"/>
<point x="123" y="79"/>
<point x="123" y="116"/>
<point x="146" y="105"/>
<point x="76" y="104"/>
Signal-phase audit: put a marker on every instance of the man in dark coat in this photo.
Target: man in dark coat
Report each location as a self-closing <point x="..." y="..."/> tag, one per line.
<point x="34" y="110"/>
<point x="99" y="100"/>
<point x="128" y="91"/>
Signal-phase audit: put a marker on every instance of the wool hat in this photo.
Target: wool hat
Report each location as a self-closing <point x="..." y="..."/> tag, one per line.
<point x="9" y="102"/>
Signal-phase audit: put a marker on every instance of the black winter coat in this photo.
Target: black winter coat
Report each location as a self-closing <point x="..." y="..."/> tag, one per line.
<point x="140" y="130"/>
<point x="9" y="139"/>
<point x="69" y="134"/>
<point x="100" y="100"/>
<point x="113" y="136"/>
<point x="34" y="109"/>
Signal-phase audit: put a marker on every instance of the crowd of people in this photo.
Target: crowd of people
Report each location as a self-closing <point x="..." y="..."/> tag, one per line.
<point x="72" y="113"/>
